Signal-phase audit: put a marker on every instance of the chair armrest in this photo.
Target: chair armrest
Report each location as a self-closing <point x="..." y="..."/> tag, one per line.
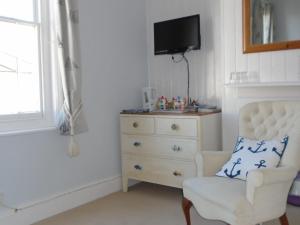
<point x="263" y="178"/>
<point x="210" y="162"/>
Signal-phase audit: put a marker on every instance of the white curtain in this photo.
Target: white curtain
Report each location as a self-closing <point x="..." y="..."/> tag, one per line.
<point x="70" y="118"/>
<point x="268" y="22"/>
<point x="262" y="22"/>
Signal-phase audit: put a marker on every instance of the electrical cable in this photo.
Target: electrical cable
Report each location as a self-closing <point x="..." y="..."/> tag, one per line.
<point x="188" y="74"/>
<point x="184" y="58"/>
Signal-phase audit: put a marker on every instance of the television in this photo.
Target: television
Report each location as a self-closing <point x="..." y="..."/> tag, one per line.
<point x="177" y="35"/>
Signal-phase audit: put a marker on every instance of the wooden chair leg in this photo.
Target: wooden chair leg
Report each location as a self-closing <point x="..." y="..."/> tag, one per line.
<point x="186" y="206"/>
<point x="284" y="220"/>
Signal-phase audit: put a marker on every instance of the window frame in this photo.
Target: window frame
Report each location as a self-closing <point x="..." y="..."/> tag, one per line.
<point x="43" y="120"/>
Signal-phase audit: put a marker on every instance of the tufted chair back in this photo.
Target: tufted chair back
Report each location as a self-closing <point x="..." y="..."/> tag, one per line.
<point x="273" y="120"/>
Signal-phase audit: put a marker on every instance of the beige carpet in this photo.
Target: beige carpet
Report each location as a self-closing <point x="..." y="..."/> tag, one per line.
<point x="144" y="204"/>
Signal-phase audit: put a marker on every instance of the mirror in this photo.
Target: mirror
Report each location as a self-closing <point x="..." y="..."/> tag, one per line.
<point x="270" y="25"/>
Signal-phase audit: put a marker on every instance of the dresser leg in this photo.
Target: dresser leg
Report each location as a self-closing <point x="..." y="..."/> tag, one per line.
<point x="125" y="183"/>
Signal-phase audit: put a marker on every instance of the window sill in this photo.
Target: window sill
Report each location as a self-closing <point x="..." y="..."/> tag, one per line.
<point x="27" y="131"/>
<point x="26" y="124"/>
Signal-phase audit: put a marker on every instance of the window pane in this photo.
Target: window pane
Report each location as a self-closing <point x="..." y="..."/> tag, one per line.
<point x="8" y="95"/>
<point x="30" y="93"/>
<point x="19" y="70"/>
<point x="18" y="9"/>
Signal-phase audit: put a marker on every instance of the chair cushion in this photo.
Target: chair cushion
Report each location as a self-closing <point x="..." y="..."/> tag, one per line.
<point x="252" y="154"/>
<point x="228" y="193"/>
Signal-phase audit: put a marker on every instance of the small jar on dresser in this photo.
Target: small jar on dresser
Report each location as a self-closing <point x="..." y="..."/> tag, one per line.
<point x="160" y="148"/>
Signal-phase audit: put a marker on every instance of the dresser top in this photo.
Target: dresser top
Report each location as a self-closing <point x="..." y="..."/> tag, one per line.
<point x="172" y="113"/>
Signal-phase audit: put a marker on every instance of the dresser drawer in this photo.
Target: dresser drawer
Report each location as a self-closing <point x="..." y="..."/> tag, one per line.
<point x="159" y="146"/>
<point x="180" y="127"/>
<point x="162" y="171"/>
<point x="137" y="125"/>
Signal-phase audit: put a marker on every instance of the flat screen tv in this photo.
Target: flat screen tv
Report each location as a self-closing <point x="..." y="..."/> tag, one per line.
<point x="177" y="35"/>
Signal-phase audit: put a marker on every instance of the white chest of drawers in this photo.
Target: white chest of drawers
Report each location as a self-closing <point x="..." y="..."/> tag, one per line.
<point x="160" y="148"/>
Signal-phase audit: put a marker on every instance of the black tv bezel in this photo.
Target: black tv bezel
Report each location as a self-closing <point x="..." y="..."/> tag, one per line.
<point x="178" y="50"/>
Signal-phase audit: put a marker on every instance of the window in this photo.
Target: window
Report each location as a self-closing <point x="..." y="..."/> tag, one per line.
<point x="25" y="83"/>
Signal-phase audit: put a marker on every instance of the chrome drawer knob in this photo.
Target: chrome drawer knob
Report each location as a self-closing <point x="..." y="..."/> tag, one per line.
<point x="177" y="174"/>
<point x="138" y="167"/>
<point x="174" y="127"/>
<point x="135" y="124"/>
<point x="137" y="144"/>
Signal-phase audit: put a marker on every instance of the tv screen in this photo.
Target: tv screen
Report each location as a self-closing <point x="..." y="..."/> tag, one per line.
<point x="177" y="35"/>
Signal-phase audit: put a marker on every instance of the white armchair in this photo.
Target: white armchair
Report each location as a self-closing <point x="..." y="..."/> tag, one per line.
<point x="263" y="196"/>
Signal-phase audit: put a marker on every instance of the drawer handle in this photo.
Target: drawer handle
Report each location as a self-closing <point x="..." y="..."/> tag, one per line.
<point x="176" y="148"/>
<point x="135" y="125"/>
<point x="138" y="167"/>
<point x="174" y="127"/>
<point x="177" y="174"/>
<point x="137" y="144"/>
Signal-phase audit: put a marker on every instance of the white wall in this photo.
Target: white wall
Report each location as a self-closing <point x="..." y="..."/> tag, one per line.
<point x="113" y="43"/>
<point x="171" y="79"/>
<point x="276" y="66"/>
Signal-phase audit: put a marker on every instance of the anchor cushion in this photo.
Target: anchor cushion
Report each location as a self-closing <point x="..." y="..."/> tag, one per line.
<point x="253" y="154"/>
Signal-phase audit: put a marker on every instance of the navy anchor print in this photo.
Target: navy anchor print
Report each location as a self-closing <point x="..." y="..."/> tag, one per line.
<point x="284" y="142"/>
<point x="231" y="175"/>
<point x="237" y="146"/>
<point x="261" y="164"/>
<point x="259" y="147"/>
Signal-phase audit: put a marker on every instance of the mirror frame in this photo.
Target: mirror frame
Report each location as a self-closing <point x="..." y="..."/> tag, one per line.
<point x="248" y="47"/>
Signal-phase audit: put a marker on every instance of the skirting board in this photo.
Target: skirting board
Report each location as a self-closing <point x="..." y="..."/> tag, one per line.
<point x="62" y="202"/>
